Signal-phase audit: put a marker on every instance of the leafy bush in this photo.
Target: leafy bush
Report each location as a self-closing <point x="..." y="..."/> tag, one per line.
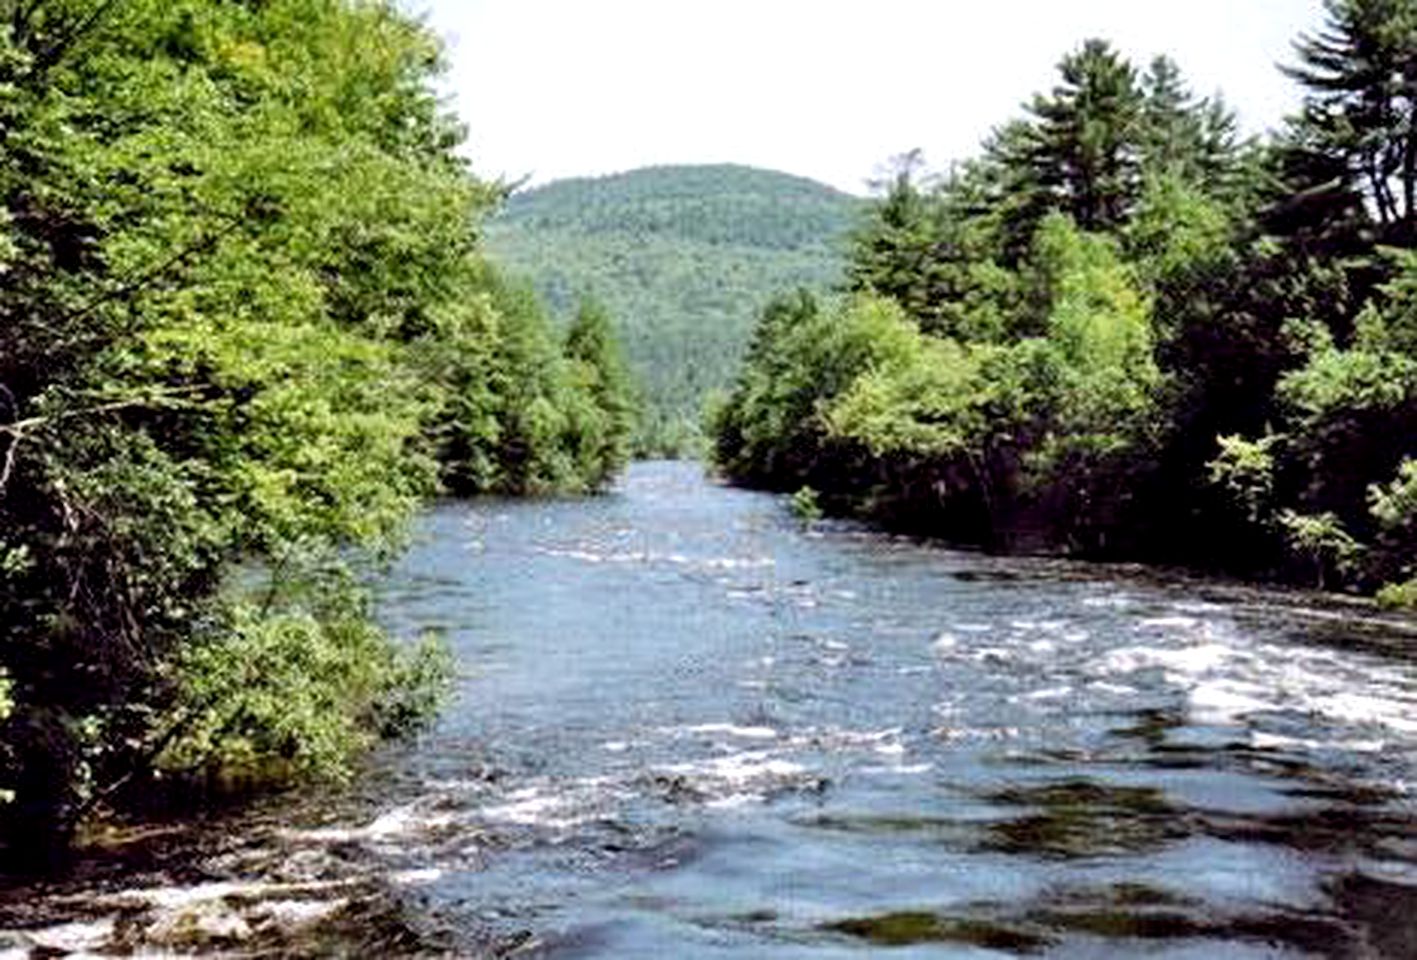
<point x="806" y="506"/>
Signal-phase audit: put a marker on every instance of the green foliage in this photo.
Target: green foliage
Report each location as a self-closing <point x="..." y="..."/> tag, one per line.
<point x="722" y="205"/>
<point x="1399" y="596"/>
<point x="1099" y="322"/>
<point x="802" y="356"/>
<point x="933" y="404"/>
<point x="598" y="372"/>
<point x="1393" y="507"/>
<point x="245" y="325"/>
<point x="1177" y="231"/>
<point x="920" y="247"/>
<point x="1321" y="541"/>
<point x="1394" y="327"/>
<point x="1244" y="469"/>
<point x="806" y="506"/>
<point x="1078" y="153"/>
<point x="819" y="386"/>
<point x="295" y="682"/>
<point x="1352" y="417"/>
<point x="682" y="257"/>
<point x="1324" y="482"/>
<point x="1113" y="285"/>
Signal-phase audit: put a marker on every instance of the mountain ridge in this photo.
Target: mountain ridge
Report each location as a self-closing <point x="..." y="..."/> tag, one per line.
<point x="683" y="256"/>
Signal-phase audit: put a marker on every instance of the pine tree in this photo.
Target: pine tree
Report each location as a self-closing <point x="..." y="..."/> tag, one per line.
<point x="1085" y="138"/>
<point x="1358" y="129"/>
<point x="1183" y="136"/>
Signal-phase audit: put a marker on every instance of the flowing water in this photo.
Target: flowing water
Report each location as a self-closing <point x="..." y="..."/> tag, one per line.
<point x="688" y="728"/>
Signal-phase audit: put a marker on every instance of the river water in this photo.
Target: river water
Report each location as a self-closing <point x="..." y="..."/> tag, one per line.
<point x="689" y="728"/>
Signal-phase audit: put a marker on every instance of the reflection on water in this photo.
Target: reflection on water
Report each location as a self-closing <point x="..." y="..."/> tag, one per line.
<point x="687" y="728"/>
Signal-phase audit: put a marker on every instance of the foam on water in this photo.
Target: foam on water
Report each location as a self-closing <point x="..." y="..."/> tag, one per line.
<point x="1228" y="678"/>
<point x="79" y="938"/>
<point x="400" y="823"/>
<point x="590" y="554"/>
<point x="730" y="730"/>
<point x="531" y="806"/>
<point x="738" y="779"/>
<point x="556" y="804"/>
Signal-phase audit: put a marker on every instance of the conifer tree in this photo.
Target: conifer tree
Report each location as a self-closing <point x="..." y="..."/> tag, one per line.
<point x="1085" y="138"/>
<point x="1181" y="135"/>
<point x="1357" y="133"/>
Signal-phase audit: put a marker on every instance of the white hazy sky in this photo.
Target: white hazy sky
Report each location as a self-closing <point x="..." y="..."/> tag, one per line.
<point x="827" y="89"/>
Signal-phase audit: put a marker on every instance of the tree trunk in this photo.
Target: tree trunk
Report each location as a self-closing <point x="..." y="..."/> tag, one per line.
<point x="1409" y="173"/>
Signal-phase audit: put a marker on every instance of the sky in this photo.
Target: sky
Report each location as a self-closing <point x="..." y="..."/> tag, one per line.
<point x="830" y="89"/>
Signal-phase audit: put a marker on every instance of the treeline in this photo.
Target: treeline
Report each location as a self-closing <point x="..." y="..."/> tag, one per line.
<point x="684" y="256"/>
<point x="246" y="326"/>
<point x="1123" y="332"/>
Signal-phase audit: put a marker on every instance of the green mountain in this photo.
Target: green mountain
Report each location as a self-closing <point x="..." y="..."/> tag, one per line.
<point x="683" y="257"/>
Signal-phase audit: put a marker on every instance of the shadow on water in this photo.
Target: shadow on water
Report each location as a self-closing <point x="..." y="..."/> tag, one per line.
<point x="1120" y="918"/>
<point x="1082" y="818"/>
<point x="915" y="926"/>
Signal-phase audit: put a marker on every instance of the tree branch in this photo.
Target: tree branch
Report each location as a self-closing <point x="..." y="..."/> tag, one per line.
<point x="9" y="468"/>
<point x="168" y="398"/>
<point x="18" y="430"/>
<point x="137" y="283"/>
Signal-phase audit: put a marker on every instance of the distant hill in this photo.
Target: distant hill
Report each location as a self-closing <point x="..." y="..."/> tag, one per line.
<point x="684" y="257"/>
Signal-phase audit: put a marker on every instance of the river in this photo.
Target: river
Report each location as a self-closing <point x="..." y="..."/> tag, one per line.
<point x="687" y="727"/>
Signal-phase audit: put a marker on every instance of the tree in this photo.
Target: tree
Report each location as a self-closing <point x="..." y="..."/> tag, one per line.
<point x="1090" y="148"/>
<point x="1358" y="128"/>
<point x="244" y="315"/>
<point x="1084" y="145"/>
<point x="1183" y="137"/>
<point x="598" y="370"/>
<point x="895" y="252"/>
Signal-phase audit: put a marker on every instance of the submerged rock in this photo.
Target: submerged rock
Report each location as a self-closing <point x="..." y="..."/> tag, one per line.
<point x="206" y="925"/>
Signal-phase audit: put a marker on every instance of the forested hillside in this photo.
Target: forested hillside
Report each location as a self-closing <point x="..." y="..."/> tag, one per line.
<point x="1122" y="331"/>
<point x="683" y="257"/>
<point x="246" y="327"/>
